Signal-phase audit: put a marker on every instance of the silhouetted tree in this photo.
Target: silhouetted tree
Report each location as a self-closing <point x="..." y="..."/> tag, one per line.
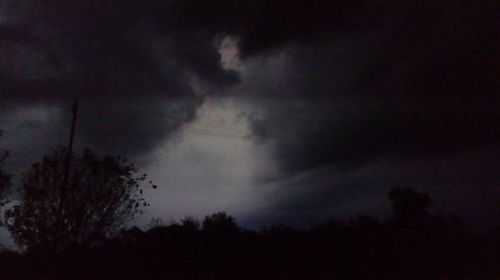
<point x="220" y="223"/>
<point x="101" y="195"/>
<point x="190" y="223"/>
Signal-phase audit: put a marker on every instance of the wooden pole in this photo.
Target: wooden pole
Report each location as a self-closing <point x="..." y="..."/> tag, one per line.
<point x="67" y="166"/>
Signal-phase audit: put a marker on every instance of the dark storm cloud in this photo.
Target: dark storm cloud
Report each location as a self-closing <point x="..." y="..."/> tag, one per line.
<point x="414" y="84"/>
<point x="128" y="62"/>
<point x="386" y="79"/>
<point x="421" y="75"/>
<point x="358" y="82"/>
<point x="366" y="78"/>
<point x="265" y="25"/>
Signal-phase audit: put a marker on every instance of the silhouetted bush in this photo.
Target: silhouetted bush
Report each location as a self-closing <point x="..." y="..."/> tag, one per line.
<point x="58" y="213"/>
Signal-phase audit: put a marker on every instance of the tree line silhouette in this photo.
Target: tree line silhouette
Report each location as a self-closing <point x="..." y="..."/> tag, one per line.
<point x="75" y="228"/>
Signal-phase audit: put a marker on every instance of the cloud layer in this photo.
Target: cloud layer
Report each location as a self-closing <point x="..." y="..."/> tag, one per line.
<point x="334" y="87"/>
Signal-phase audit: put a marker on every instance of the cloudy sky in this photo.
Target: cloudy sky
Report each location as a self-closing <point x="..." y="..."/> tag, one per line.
<point x="291" y="111"/>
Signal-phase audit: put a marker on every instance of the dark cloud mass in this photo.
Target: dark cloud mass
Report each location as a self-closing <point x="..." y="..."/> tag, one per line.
<point x="385" y="80"/>
<point x="336" y="85"/>
<point x="116" y="57"/>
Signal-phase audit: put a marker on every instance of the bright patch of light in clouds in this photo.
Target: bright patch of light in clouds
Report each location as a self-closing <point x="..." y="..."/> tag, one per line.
<point x="210" y="165"/>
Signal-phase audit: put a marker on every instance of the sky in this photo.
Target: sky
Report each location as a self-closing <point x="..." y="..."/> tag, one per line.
<point x="273" y="111"/>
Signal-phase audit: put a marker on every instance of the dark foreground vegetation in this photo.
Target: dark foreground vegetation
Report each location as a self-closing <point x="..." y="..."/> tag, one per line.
<point x="70" y="211"/>
<point x="411" y="245"/>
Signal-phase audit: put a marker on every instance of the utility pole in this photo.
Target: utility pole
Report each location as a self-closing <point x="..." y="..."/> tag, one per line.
<point x="74" y="111"/>
<point x="67" y="167"/>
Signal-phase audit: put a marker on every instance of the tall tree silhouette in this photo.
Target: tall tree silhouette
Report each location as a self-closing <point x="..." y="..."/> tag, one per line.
<point x="102" y="194"/>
